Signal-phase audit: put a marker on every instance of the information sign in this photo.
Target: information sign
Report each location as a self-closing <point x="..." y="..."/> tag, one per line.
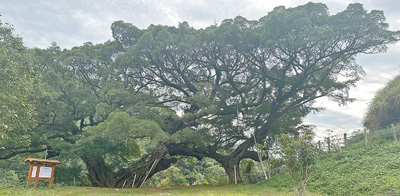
<point x="41" y="169"/>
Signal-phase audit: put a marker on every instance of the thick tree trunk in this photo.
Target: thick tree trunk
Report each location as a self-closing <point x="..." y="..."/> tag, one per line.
<point x="134" y="176"/>
<point x="231" y="163"/>
<point x="232" y="169"/>
<point x="99" y="174"/>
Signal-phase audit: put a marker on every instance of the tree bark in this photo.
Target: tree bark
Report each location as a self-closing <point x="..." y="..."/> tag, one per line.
<point x="134" y="176"/>
<point x="231" y="162"/>
<point x="99" y="174"/>
<point x="232" y="169"/>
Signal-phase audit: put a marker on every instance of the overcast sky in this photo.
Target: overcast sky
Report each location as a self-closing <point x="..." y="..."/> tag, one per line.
<point x="73" y="22"/>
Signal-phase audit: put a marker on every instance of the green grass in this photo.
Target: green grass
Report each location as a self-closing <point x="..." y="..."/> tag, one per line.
<point x="224" y="189"/>
<point x="360" y="170"/>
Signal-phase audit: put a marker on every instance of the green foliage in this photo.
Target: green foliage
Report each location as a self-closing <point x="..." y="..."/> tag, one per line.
<point x="9" y="178"/>
<point x="385" y="107"/>
<point x="18" y="81"/>
<point x="13" y="172"/>
<point x="173" y="178"/>
<point x="195" y="172"/>
<point x="269" y="71"/>
<point x="119" y="100"/>
<point x="361" y="170"/>
<point x="252" y="171"/>
<point x="247" y="165"/>
<point x="116" y="138"/>
<point x="72" y="170"/>
<point x="188" y="135"/>
<point x="215" y="174"/>
<point x="299" y="155"/>
<point x="281" y="182"/>
<point x="126" y="34"/>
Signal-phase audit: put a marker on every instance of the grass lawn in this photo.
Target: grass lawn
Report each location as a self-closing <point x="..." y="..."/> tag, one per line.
<point x="225" y="189"/>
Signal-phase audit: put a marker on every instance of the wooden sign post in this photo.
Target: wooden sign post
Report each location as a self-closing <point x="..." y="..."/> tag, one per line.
<point x="41" y="169"/>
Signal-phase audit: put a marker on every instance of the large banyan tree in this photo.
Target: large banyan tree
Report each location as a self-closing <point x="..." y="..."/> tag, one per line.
<point x="268" y="72"/>
<point x="385" y="107"/>
<point x="199" y="92"/>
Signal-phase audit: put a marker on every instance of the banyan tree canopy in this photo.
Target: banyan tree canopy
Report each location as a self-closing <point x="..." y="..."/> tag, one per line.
<point x="385" y="107"/>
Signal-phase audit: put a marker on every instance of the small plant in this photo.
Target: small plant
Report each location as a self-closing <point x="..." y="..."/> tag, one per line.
<point x="174" y="177"/>
<point x="9" y="178"/>
<point x="299" y="154"/>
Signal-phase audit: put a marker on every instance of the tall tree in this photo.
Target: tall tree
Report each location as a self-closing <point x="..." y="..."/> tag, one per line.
<point x="17" y="79"/>
<point x="206" y="89"/>
<point x="268" y="71"/>
<point x="58" y="106"/>
<point x="81" y="92"/>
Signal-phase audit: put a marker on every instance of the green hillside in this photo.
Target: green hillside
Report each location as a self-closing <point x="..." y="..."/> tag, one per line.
<point x="360" y="170"/>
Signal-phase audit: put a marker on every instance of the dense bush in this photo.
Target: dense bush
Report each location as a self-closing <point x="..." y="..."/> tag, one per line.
<point x="9" y="178"/>
<point x="13" y="172"/>
<point x="385" y="107"/>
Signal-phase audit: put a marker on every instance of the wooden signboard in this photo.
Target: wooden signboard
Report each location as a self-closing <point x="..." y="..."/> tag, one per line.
<point x="41" y="169"/>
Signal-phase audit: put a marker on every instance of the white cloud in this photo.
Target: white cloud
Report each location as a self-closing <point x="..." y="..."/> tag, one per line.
<point x="380" y="69"/>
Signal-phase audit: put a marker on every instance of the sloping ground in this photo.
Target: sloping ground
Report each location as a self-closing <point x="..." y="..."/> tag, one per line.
<point x="360" y="170"/>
